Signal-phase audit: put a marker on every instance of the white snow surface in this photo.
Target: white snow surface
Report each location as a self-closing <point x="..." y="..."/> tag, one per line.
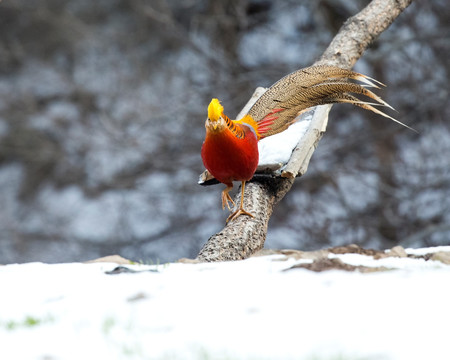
<point x="249" y="309"/>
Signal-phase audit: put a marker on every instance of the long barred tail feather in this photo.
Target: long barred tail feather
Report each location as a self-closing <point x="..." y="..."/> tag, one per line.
<point x="278" y="107"/>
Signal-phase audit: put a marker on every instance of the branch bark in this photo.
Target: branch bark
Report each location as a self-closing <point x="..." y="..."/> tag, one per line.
<point x="244" y="236"/>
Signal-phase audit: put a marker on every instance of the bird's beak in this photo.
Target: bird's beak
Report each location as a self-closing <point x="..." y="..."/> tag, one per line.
<point x="212" y="125"/>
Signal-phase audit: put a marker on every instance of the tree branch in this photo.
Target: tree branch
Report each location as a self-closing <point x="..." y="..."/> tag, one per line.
<point x="244" y="236"/>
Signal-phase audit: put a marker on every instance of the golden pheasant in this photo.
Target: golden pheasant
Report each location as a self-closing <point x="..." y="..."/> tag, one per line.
<point x="230" y="149"/>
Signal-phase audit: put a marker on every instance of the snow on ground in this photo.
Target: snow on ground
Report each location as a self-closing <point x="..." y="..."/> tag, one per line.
<point x="249" y="309"/>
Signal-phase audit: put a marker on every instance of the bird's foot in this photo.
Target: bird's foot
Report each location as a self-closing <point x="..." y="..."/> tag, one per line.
<point x="226" y="198"/>
<point x="238" y="213"/>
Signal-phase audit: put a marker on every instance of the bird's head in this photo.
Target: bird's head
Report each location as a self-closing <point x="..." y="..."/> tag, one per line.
<point x="215" y="121"/>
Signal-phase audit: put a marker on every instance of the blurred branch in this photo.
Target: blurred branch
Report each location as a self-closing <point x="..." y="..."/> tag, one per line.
<point x="166" y="18"/>
<point x="244" y="236"/>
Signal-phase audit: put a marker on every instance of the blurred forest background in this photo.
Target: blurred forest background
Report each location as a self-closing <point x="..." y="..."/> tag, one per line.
<point x="102" y="110"/>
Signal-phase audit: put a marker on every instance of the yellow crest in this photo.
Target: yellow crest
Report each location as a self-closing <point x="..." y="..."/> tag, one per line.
<point x="215" y="110"/>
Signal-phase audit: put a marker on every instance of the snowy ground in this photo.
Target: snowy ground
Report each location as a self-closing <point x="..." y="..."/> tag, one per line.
<point x="250" y="309"/>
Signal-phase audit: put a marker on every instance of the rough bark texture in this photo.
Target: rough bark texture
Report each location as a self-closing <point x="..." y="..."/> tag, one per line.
<point x="244" y="236"/>
<point x="359" y="31"/>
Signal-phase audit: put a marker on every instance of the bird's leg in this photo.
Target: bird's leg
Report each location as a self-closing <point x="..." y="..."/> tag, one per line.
<point x="241" y="210"/>
<point x="226" y="198"/>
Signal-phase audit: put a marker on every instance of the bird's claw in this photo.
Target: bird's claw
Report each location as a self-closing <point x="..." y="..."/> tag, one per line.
<point x="238" y="213"/>
<point x="226" y="199"/>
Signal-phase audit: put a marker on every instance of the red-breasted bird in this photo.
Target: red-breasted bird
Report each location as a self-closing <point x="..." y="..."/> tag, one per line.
<point x="230" y="149"/>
